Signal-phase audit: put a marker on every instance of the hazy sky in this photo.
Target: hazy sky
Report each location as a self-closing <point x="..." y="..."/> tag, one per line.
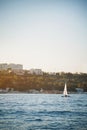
<point x="46" y="34"/>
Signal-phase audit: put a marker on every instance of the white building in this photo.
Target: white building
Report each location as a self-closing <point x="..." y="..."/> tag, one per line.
<point x="52" y="73"/>
<point x="36" y="71"/>
<point x="11" y="66"/>
<point x="15" y="66"/>
<point x="3" y="66"/>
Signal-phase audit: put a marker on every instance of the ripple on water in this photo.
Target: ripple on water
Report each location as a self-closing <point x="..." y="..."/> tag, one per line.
<point x="36" y="112"/>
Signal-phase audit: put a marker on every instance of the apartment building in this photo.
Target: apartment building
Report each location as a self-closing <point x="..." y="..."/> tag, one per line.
<point x="6" y="66"/>
<point x="36" y="71"/>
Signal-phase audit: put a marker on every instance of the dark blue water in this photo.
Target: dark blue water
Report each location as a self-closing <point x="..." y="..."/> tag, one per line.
<point x="43" y="112"/>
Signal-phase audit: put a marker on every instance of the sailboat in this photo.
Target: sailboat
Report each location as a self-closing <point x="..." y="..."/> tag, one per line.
<point x="65" y="91"/>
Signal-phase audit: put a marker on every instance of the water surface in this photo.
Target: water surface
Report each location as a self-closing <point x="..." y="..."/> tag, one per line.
<point x="43" y="112"/>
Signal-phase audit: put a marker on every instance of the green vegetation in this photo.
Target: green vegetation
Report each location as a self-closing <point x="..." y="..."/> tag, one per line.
<point x="46" y="81"/>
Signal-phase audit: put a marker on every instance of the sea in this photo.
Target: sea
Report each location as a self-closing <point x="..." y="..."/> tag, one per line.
<point x="43" y="112"/>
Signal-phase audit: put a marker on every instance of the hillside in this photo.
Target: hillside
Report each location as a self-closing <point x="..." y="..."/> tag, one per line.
<point x="46" y="81"/>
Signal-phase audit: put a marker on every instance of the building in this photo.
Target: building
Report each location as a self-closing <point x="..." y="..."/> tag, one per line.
<point x="33" y="91"/>
<point x="3" y="66"/>
<point x="15" y="66"/>
<point x="79" y="90"/>
<point x="36" y="71"/>
<point x="18" y="72"/>
<point x="52" y="73"/>
<point x="6" y="66"/>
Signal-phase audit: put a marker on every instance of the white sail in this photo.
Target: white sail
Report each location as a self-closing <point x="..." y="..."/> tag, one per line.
<point x="65" y="90"/>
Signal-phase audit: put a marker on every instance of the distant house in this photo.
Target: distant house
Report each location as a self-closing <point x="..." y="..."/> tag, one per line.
<point x="79" y="90"/>
<point x="4" y="90"/>
<point x="15" y="66"/>
<point x="34" y="91"/>
<point x="19" y="72"/>
<point x="36" y="71"/>
<point x="52" y="73"/>
<point x="3" y="66"/>
<point x="6" y="66"/>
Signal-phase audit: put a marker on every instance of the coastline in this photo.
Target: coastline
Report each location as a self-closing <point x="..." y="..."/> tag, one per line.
<point x="45" y="92"/>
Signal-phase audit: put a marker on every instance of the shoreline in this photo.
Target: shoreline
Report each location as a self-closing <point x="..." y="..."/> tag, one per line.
<point x="41" y="93"/>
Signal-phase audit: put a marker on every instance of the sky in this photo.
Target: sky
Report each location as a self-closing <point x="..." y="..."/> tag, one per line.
<point x="46" y="34"/>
